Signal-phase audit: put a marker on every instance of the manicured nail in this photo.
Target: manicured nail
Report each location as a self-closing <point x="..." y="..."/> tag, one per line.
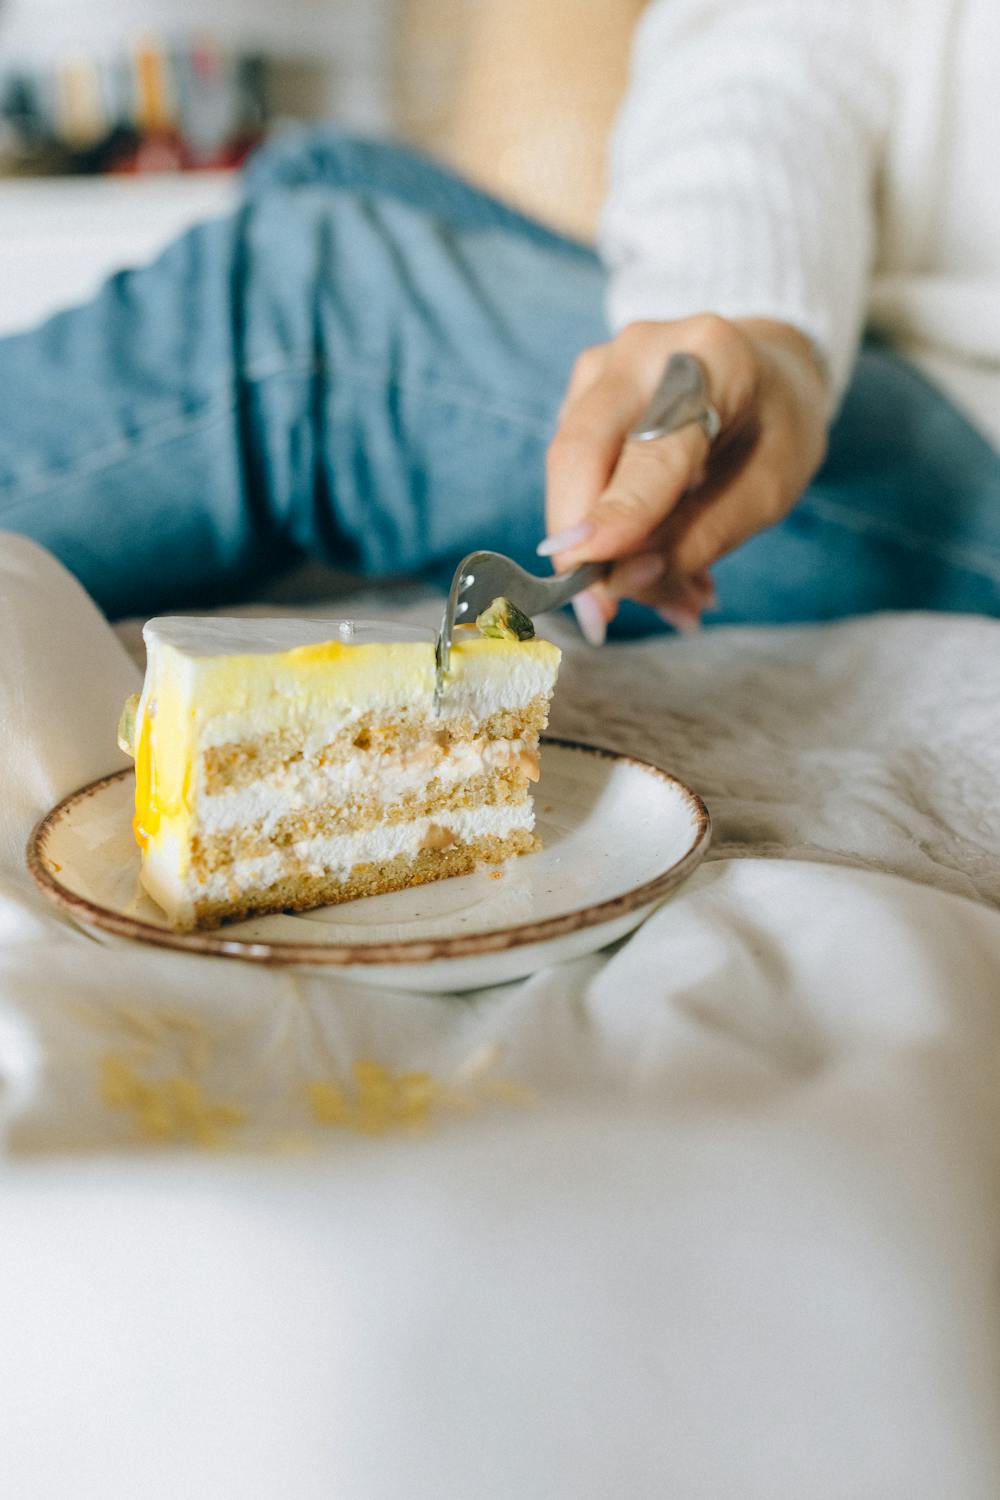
<point x="686" y="621"/>
<point x="564" y="541"/>
<point x="705" y="584"/>
<point x="687" y="596"/>
<point x="637" y="574"/>
<point x="590" y="618"/>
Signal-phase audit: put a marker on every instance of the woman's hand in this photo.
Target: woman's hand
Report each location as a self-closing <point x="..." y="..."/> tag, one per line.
<point x="666" y="510"/>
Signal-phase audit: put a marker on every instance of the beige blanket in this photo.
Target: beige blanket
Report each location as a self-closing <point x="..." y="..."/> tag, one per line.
<point x="713" y="1213"/>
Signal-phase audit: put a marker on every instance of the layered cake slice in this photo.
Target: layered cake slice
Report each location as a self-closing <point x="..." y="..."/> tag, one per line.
<point x="278" y="769"/>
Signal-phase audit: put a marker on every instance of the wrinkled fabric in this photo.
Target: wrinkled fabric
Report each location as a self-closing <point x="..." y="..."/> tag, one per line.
<point x="713" y="1212"/>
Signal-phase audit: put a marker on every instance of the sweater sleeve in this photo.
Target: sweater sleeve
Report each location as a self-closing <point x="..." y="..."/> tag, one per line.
<point x="743" y="167"/>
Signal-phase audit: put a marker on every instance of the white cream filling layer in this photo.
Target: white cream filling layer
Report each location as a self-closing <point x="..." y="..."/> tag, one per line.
<point x="337" y="854"/>
<point x="264" y="804"/>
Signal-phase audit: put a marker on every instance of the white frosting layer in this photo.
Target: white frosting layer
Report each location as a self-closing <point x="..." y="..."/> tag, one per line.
<point x="161" y="876"/>
<point x="215" y="636"/>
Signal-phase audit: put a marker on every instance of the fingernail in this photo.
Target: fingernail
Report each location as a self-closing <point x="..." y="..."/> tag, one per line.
<point x="688" y="596"/>
<point x="683" y="620"/>
<point x="563" y="541"/>
<point x="705" y="584"/>
<point x="590" y="618"/>
<point x="638" y="573"/>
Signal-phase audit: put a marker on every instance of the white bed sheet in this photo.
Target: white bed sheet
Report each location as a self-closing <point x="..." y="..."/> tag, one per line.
<point x="740" y="1238"/>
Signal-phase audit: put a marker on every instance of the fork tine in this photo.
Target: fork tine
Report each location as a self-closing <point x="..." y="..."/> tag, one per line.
<point x="483" y="576"/>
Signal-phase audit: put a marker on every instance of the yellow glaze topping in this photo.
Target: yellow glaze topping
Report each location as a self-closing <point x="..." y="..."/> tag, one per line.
<point x="146" y="823"/>
<point x="335" y="672"/>
<point x="165" y="751"/>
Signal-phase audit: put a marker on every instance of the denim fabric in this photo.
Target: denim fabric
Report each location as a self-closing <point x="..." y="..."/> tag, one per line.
<point x="904" y="514"/>
<point x="364" y="363"/>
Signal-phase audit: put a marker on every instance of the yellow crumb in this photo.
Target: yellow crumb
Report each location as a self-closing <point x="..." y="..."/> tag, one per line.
<point x="167" y="1109"/>
<point x="378" y="1100"/>
<point x="329" y="1104"/>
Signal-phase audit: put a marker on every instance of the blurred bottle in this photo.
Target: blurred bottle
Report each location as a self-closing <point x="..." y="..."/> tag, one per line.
<point x="159" y="145"/>
<point x="81" y="111"/>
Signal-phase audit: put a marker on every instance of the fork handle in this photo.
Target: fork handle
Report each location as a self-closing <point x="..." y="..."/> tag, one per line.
<point x="567" y="585"/>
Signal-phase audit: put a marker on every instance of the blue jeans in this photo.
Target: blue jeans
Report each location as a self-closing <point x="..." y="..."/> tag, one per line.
<point x="364" y="363"/>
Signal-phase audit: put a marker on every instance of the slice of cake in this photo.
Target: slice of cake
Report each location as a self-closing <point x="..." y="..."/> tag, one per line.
<point x="277" y="769"/>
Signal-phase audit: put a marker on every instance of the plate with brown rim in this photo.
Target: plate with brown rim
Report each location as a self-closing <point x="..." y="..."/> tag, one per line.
<point x="618" y="834"/>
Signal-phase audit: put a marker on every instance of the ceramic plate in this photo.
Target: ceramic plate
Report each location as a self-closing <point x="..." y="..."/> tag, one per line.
<point x="619" y="835"/>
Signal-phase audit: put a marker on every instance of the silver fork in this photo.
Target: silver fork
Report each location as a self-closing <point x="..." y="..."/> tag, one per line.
<point x="484" y="576"/>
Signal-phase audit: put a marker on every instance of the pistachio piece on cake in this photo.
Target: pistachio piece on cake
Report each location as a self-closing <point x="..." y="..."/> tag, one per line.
<point x="503" y="621"/>
<point x="126" y="724"/>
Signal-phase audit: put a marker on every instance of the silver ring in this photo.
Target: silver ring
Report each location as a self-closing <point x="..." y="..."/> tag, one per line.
<point x="680" y="399"/>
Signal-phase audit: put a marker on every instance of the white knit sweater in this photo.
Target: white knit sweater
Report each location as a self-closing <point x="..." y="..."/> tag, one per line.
<point x="818" y="161"/>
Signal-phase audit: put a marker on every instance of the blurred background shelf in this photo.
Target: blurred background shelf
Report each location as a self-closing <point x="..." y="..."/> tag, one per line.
<point x="518" y="94"/>
<point x="147" y="84"/>
<point x="116" y="95"/>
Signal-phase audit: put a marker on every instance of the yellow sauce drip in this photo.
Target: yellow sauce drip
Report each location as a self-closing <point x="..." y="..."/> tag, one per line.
<point x="163" y="767"/>
<point x="146" y="823"/>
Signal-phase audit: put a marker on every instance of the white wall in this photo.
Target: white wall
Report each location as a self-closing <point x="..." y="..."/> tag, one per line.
<point x="293" y="26"/>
